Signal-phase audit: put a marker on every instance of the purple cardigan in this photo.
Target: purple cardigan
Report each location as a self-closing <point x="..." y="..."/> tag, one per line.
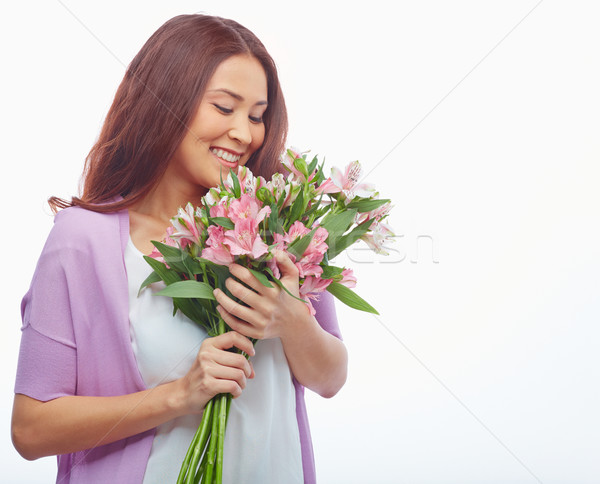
<point x="75" y="339"/>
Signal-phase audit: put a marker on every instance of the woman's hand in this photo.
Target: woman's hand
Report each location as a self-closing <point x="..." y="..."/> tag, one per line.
<point x="73" y="423"/>
<point x="216" y="370"/>
<point x="269" y="311"/>
<point x="318" y="360"/>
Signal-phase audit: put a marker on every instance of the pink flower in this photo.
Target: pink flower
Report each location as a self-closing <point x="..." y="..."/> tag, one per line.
<point x="310" y="289"/>
<point x="307" y="268"/>
<point x="215" y="250"/>
<point x="278" y="186"/>
<point x="187" y="226"/>
<point x="212" y="197"/>
<point x="245" y="240"/>
<point x="376" y="214"/>
<point x="248" y="182"/>
<point x="298" y="229"/>
<point x="346" y="183"/>
<point x="377" y="238"/>
<point x="317" y="243"/>
<point x="287" y="159"/>
<point x="308" y="264"/>
<point x="220" y="209"/>
<point x="328" y="186"/>
<point x="279" y="243"/>
<point x="348" y="278"/>
<point x="247" y="207"/>
<point x="313" y="285"/>
<point x="155" y="254"/>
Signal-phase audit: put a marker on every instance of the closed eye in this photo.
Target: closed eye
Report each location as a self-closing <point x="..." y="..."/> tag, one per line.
<point x="224" y="110"/>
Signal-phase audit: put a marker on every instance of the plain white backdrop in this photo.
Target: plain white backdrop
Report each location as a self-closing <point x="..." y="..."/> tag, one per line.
<point x="480" y="119"/>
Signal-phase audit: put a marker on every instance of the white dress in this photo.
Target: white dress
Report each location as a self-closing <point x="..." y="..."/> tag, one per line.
<point x="262" y="441"/>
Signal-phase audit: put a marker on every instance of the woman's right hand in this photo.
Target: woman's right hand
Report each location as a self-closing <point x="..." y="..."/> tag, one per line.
<point x="73" y="423"/>
<point x="217" y="370"/>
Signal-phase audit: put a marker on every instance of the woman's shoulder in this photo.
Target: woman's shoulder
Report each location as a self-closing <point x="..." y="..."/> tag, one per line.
<point x="75" y="216"/>
<point x="77" y="226"/>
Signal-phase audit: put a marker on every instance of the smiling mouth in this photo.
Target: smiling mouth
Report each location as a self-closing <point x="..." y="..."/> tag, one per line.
<point x="225" y="155"/>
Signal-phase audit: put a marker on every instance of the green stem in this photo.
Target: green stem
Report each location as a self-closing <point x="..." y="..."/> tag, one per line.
<point x="210" y="465"/>
<point x="188" y="455"/>
<point x="229" y="398"/>
<point x="223" y="414"/>
<point x="198" y="448"/>
<point x="221" y="325"/>
<point x="201" y="468"/>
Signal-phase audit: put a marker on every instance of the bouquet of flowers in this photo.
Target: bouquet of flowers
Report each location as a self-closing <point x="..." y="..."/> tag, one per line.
<point x="244" y="220"/>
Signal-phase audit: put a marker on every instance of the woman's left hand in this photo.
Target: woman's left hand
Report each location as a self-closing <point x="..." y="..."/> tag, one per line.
<point x="269" y="311"/>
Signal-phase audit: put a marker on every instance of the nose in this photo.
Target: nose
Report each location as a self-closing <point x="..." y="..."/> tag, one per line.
<point x="240" y="129"/>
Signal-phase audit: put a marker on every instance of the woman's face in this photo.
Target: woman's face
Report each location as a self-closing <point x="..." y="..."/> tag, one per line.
<point x="226" y="129"/>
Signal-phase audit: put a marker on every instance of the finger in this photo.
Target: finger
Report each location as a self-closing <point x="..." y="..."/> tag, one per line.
<point x="236" y="361"/>
<point x="244" y="275"/>
<point x="247" y="296"/>
<point x="233" y="339"/>
<point x="228" y="373"/>
<point x="285" y="264"/>
<point x="242" y="312"/>
<point x="238" y="325"/>
<point x="226" y="386"/>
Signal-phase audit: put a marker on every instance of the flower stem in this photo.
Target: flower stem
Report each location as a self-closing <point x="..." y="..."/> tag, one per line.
<point x="210" y="464"/>
<point x="201" y="468"/>
<point x="197" y="446"/>
<point x="185" y="464"/>
<point x="223" y="414"/>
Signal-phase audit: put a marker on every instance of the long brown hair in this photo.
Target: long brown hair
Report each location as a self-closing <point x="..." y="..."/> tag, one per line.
<point x="158" y="97"/>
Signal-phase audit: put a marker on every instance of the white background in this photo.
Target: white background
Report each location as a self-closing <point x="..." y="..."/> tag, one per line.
<point x="483" y="366"/>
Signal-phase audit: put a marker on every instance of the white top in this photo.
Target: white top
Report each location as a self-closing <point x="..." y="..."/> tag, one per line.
<point x="262" y="441"/>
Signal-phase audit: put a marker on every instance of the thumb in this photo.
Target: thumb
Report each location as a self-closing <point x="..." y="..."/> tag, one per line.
<point x="285" y="264"/>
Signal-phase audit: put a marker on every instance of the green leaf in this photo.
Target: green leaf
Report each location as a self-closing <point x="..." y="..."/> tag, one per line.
<point x="366" y="204"/>
<point x="261" y="277"/>
<point x="280" y="284"/>
<point x="337" y="223"/>
<point x="299" y="245"/>
<point x="264" y="195"/>
<point x="189" y="307"/>
<point x="223" y="222"/>
<point x="314" y="207"/>
<point x="320" y="176"/>
<point x="274" y="222"/>
<point x="151" y="279"/>
<point x="221" y="272"/>
<point x="188" y="289"/>
<point x="331" y="271"/>
<point x="300" y="165"/>
<point x="350" y="298"/>
<point x="173" y="256"/>
<point x="167" y="275"/>
<point x="312" y="165"/>
<point x="297" y="209"/>
<point x="237" y="191"/>
<point x="342" y="243"/>
<point x="281" y="199"/>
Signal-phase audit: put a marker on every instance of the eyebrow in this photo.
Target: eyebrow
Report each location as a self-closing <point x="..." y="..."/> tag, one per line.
<point x="236" y="96"/>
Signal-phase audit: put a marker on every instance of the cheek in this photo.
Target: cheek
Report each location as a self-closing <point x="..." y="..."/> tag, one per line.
<point x="258" y="137"/>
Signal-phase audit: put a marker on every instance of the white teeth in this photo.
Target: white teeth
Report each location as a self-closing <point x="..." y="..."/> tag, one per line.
<point x="226" y="155"/>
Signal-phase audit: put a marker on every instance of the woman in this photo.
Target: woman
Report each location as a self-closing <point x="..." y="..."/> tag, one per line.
<point x="99" y="381"/>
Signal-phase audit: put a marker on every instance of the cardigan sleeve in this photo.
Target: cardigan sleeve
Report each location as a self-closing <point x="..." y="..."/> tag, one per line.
<point x="325" y="314"/>
<point x="47" y="366"/>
